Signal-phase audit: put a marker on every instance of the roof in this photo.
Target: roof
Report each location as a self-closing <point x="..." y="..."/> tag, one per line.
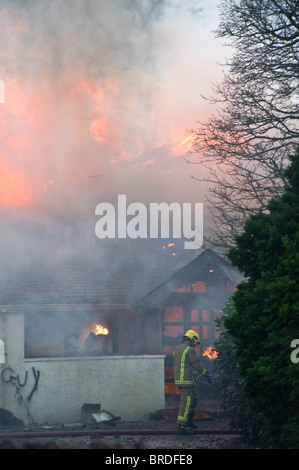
<point x="194" y="270"/>
<point x="114" y="273"/>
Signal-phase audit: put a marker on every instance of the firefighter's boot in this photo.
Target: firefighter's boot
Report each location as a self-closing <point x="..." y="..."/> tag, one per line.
<point x="183" y="430"/>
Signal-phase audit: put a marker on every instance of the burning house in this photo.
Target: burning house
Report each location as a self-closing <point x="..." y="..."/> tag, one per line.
<point x="68" y="337"/>
<point x="91" y="332"/>
<point x="84" y="123"/>
<point x="191" y="298"/>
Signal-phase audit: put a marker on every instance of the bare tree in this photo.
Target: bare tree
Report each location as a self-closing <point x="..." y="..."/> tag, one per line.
<point x="247" y="143"/>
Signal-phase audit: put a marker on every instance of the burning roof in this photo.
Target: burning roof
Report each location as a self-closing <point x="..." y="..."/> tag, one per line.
<point x="108" y="273"/>
<point x="207" y="261"/>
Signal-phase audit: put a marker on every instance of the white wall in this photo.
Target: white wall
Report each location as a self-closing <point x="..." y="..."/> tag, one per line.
<point x="130" y="387"/>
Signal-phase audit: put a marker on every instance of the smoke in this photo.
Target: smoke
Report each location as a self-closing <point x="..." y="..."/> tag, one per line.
<point x="99" y="96"/>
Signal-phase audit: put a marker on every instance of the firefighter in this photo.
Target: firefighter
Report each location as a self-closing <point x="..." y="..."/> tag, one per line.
<point x="185" y="365"/>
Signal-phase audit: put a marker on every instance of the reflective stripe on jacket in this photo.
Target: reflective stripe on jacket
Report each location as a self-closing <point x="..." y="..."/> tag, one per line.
<point x="185" y="362"/>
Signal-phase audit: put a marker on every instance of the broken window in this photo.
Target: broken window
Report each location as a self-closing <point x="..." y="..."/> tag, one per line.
<point x="68" y="333"/>
<point x="65" y="333"/>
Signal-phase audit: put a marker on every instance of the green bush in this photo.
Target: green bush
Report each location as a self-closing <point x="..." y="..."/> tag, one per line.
<point x="265" y="319"/>
<point x="236" y="404"/>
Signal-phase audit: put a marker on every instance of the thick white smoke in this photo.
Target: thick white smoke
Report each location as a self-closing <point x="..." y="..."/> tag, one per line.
<point x="99" y="96"/>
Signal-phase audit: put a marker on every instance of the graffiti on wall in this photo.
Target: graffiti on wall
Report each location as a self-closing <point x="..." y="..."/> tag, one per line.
<point x="9" y="376"/>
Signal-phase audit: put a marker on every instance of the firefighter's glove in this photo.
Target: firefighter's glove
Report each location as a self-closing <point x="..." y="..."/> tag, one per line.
<point x="197" y="378"/>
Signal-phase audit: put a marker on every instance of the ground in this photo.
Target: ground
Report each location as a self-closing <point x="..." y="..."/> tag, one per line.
<point x="161" y="420"/>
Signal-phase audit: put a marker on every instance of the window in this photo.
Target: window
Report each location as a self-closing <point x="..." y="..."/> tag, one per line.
<point x="67" y="333"/>
<point x="199" y="287"/>
<point x="173" y="314"/>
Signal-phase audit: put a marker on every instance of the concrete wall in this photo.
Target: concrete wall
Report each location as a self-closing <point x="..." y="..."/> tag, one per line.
<point x="53" y="390"/>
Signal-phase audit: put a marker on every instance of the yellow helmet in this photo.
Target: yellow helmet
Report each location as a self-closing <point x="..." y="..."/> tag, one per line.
<point x="192" y="336"/>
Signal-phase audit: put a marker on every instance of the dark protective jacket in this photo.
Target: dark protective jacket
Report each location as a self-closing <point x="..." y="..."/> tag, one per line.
<point x="185" y="363"/>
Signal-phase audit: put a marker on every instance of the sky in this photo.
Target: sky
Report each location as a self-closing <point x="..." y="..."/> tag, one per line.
<point x="101" y="98"/>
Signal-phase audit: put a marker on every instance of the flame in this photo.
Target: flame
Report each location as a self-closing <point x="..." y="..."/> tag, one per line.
<point x="210" y="353"/>
<point x="68" y="121"/>
<point x="169" y="246"/>
<point x="188" y="141"/>
<point x="31" y="141"/>
<point x="184" y="145"/>
<point x="100" y="330"/>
